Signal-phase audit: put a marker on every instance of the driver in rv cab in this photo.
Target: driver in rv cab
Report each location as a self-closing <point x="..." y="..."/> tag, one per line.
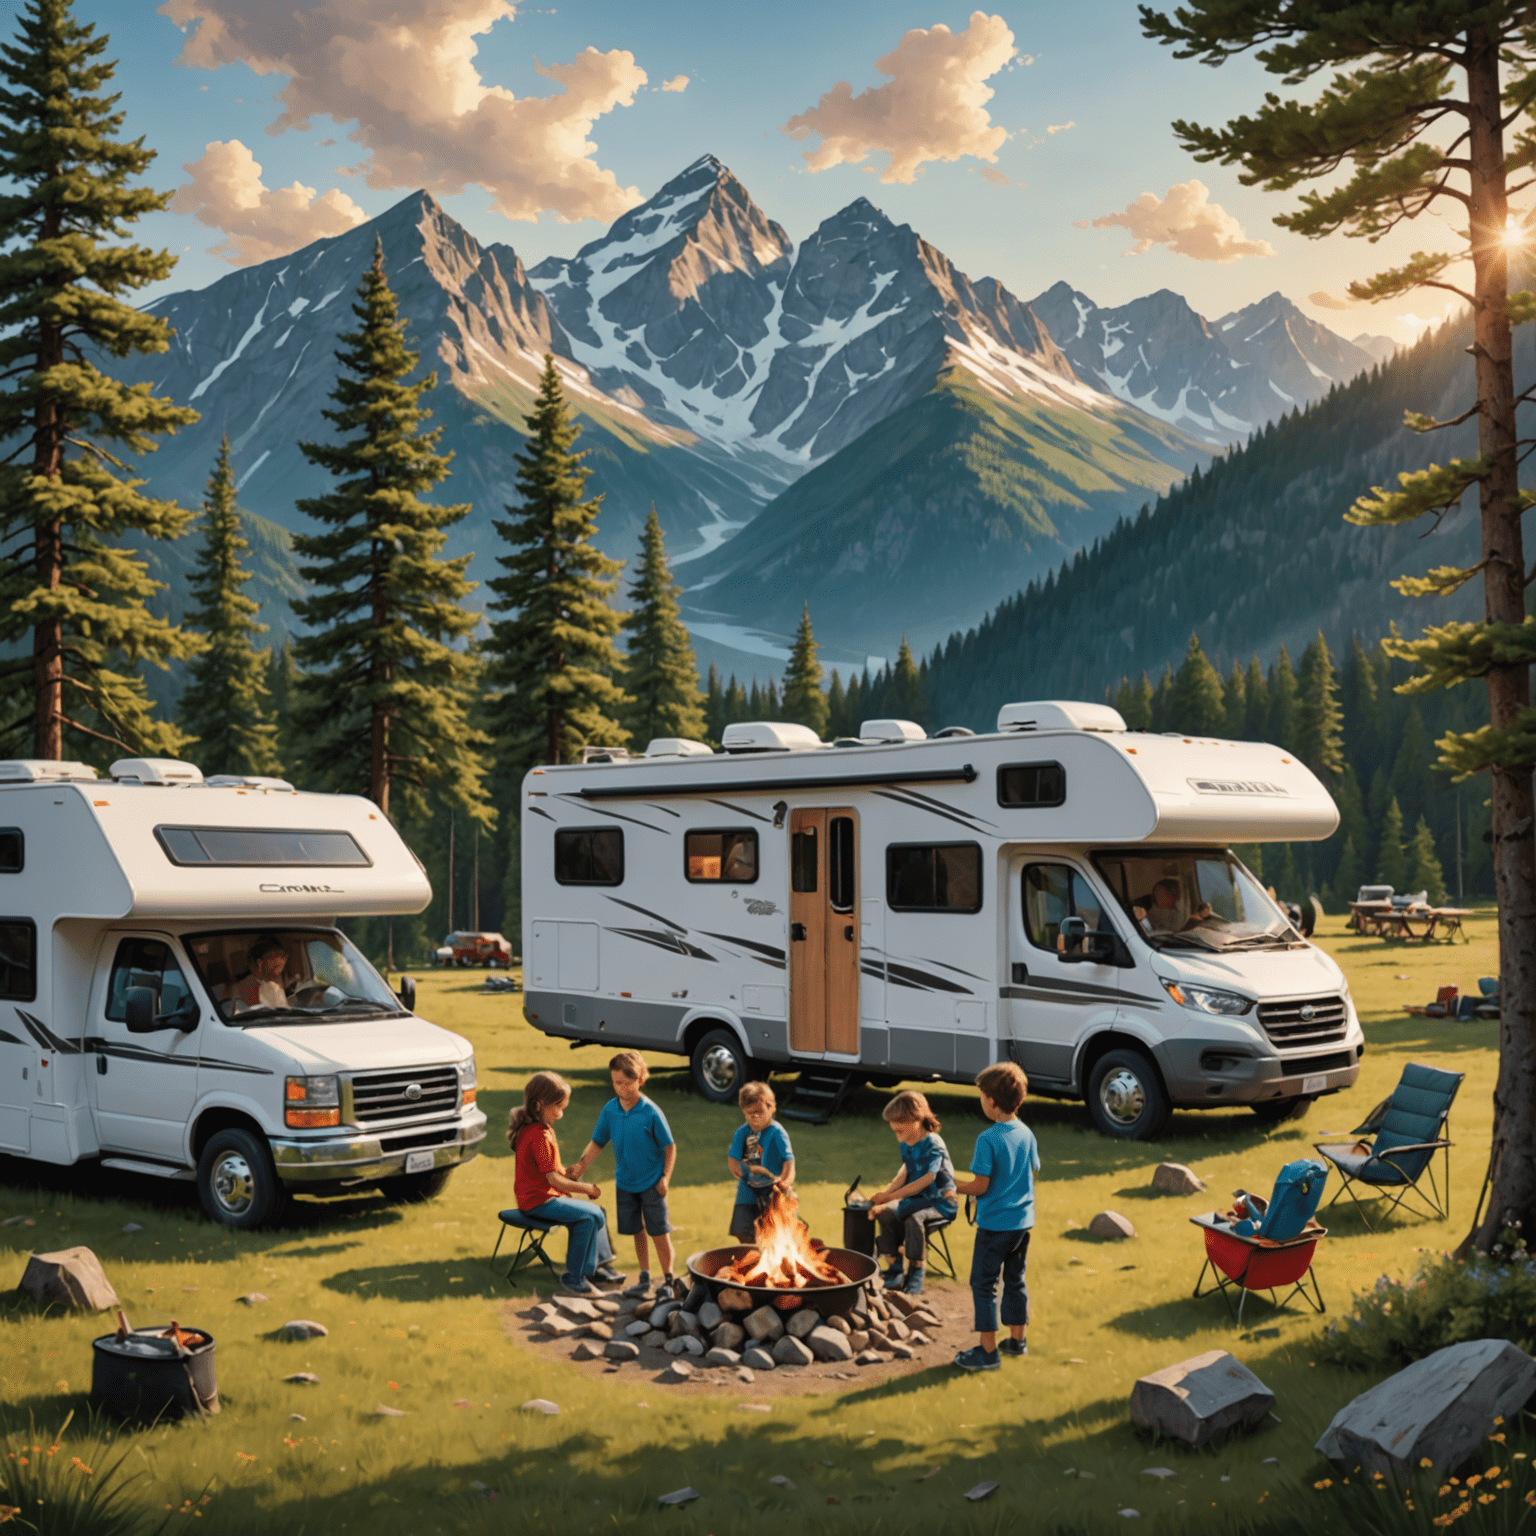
<point x="263" y="987"/>
<point x="1164" y="913"/>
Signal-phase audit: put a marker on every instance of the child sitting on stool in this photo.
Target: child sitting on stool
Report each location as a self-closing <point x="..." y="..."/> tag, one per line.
<point x="760" y="1159"/>
<point x="922" y="1195"/>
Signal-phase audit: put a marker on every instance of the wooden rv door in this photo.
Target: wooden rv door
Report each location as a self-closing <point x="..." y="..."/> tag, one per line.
<point x="824" y="932"/>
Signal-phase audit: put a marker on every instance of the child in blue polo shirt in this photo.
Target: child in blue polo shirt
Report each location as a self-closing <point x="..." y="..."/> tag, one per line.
<point x="922" y="1195"/>
<point x="644" y="1155"/>
<point x="760" y="1159"/>
<point x="1005" y="1163"/>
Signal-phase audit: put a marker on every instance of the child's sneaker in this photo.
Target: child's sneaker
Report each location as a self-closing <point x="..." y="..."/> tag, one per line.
<point x="1015" y="1347"/>
<point x="892" y="1276"/>
<point x="575" y="1287"/>
<point x="913" y="1286"/>
<point x="668" y="1290"/>
<point x="642" y="1286"/>
<point x="606" y="1274"/>
<point x="978" y="1359"/>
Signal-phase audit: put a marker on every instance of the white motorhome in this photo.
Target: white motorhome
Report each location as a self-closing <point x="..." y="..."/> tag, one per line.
<point x="176" y="999"/>
<point x="1060" y="893"/>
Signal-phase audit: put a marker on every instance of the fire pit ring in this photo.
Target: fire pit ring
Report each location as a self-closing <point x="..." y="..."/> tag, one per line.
<point x="829" y="1300"/>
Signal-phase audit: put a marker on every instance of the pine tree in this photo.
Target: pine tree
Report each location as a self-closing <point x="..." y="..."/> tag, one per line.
<point x="1140" y="718"/>
<point x="858" y="690"/>
<point x="837" y="708"/>
<point x="1282" y="702"/>
<point x="772" y="707"/>
<point x="1362" y="710"/>
<point x="1346" y="878"/>
<point x="755" y="707"/>
<point x="714" y="706"/>
<point x="74" y="620"/>
<point x="553" y="663"/>
<point x="804" y="702"/>
<point x="1424" y="871"/>
<point x="383" y="697"/>
<point x="1235" y="723"/>
<point x="661" y="675"/>
<point x="907" y="701"/>
<point x="1319" y="720"/>
<point x="282" y="685"/>
<point x="1391" y="862"/>
<point x="1162" y="702"/>
<point x="1196" y="705"/>
<point x="1257" y="690"/>
<point x="736" y="705"/>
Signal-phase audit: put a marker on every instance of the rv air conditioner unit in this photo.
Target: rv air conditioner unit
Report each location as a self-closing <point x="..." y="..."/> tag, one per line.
<point x="1059" y="715"/>
<point x="247" y="781"/>
<point x="677" y="746"/>
<point x="155" y="770"/>
<point x="768" y="736"/>
<point x="35" y="770"/>
<point x="605" y="754"/>
<point x="892" y="730"/>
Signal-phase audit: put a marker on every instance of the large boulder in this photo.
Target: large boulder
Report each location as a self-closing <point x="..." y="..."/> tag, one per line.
<point x="1176" y="1179"/>
<point x="1198" y="1398"/>
<point x="1111" y="1225"/>
<point x="72" y="1278"/>
<point x="1439" y="1408"/>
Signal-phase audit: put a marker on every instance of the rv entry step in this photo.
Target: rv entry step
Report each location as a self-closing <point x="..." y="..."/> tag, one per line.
<point x="818" y="1093"/>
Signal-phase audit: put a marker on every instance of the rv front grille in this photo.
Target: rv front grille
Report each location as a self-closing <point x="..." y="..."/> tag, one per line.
<point x="412" y="1140"/>
<point x="380" y="1096"/>
<point x="1337" y="1061"/>
<point x="1306" y="1023"/>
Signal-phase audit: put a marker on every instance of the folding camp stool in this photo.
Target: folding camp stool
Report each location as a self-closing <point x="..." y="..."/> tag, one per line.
<point x="531" y="1235"/>
<point x="936" y="1252"/>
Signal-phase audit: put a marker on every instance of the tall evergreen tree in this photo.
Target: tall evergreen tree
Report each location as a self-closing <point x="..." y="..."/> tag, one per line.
<point x="74" y="618"/>
<point x="1196" y="704"/>
<point x="1424" y="871"/>
<point x="773" y="709"/>
<point x="225" y="701"/>
<point x="804" y="702"/>
<point x="837" y="707"/>
<point x="1362" y="710"/>
<point x="1391" y="860"/>
<point x="553" y="661"/>
<point x="907" y="701"/>
<point x="1319" y="720"/>
<point x="858" y="698"/>
<point x="1346" y="878"/>
<point x="384" y="694"/>
<point x="661" y="675"/>
<point x="282" y="685"/>
<point x="736" y="706"/>
<point x="1162" y="702"/>
<point x="1235" y="722"/>
<point x="1257" y="690"/>
<point x="714" y="706"/>
<point x="1140" y="718"/>
<point x="755" y="706"/>
<point x="1282" y="701"/>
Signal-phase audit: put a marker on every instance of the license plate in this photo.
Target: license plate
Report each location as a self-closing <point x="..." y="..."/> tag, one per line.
<point x="421" y="1162"/>
<point x="1314" y="1084"/>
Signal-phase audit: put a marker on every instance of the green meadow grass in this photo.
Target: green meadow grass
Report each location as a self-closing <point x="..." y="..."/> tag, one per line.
<point x="417" y="1322"/>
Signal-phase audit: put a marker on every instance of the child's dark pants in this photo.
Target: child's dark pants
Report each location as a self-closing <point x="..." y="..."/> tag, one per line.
<point x="999" y="1253"/>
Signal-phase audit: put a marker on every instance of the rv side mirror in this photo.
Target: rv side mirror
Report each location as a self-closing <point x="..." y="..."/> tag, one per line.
<point x="408" y="993"/>
<point x="1078" y="943"/>
<point x="142" y="1006"/>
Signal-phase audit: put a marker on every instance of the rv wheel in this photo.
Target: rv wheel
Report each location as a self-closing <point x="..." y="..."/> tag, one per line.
<point x="720" y="1067"/>
<point x="237" y="1181"/>
<point x="1126" y="1098"/>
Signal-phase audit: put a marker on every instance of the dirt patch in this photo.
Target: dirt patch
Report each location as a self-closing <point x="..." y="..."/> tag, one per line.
<point x="948" y="1301"/>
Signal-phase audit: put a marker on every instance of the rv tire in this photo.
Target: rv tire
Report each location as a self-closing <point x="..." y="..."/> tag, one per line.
<point x="416" y="1188"/>
<point x="1274" y="1111"/>
<point x="237" y="1181"/>
<point x="1126" y="1097"/>
<point x="721" y="1068"/>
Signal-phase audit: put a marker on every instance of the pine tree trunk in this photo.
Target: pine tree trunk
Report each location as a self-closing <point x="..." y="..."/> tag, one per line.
<point x="48" y="464"/>
<point x="1512" y="1162"/>
<point x="378" y="745"/>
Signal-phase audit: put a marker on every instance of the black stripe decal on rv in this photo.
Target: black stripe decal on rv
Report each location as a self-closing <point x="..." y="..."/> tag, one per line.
<point x="913" y="794"/>
<point x="917" y="805"/>
<point x="45" y="1037"/>
<point x="540" y="811"/>
<point x="7" y="1038"/>
<point x="666" y="922"/>
<point x="740" y="810"/>
<point x="617" y="817"/>
<point x="667" y="941"/>
<point x="95" y="1045"/>
<point x="771" y="950"/>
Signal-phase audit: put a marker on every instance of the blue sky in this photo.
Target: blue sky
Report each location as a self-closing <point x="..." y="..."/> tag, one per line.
<point x="750" y="70"/>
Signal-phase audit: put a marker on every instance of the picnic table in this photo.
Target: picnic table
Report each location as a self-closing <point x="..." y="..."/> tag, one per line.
<point x="1414" y="924"/>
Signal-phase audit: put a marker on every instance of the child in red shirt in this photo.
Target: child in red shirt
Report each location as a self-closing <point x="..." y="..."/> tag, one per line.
<point x="543" y="1191"/>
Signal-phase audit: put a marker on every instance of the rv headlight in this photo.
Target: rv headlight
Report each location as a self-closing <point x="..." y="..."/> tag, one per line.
<point x="311" y="1101"/>
<point x="1207" y="999"/>
<point x="466" y="1083"/>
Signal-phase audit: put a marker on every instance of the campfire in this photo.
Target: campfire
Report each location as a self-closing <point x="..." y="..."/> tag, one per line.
<point x="786" y="1257"/>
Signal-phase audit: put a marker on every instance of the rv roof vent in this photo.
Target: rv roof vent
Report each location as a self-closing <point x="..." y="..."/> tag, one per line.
<point x="155" y="770"/>
<point x="892" y="730"/>
<point x="1059" y="715"/>
<point x="677" y="746"/>
<point x="768" y="736"/>
<point x="605" y="754"/>
<point x="33" y="770"/>
<point x="245" y="781"/>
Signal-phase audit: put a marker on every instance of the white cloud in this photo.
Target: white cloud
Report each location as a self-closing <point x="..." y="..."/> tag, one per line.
<point x="1325" y="300"/>
<point x="1056" y="128"/>
<point x="676" y="83"/>
<point x="404" y="72"/>
<point x="1187" y="222"/>
<point x="259" y="222"/>
<point x="995" y="176"/>
<point x="933" y="107"/>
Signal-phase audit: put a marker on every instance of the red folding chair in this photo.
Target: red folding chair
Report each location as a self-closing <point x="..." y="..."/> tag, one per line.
<point x="1247" y="1264"/>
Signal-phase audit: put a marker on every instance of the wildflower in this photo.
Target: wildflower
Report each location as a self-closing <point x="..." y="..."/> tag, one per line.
<point x="1492" y="1472"/>
<point x="1424" y="1461"/>
<point x="1486" y="1498"/>
<point x="1326" y="1482"/>
<point x="241" y="1456"/>
<point x="1497" y="1439"/>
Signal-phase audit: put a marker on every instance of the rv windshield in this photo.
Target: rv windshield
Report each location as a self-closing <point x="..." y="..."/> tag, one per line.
<point x="278" y="975"/>
<point x="1195" y="899"/>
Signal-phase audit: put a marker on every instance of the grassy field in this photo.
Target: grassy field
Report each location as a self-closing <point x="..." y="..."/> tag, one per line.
<point x="417" y="1322"/>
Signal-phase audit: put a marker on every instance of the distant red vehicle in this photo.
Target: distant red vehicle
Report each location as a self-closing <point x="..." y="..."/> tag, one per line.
<point x="468" y="948"/>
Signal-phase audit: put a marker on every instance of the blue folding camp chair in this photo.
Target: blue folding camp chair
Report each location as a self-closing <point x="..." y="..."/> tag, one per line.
<point x="1404" y="1131"/>
<point x="531" y="1234"/>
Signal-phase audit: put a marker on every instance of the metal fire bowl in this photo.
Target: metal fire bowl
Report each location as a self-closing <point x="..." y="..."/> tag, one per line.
<point x="827" y="1299"/>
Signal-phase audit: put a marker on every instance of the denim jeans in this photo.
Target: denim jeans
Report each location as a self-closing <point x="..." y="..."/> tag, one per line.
<point x="909" y="1230"/>
<point x="999" y="1253"/>
<point x="588" y="1232"/>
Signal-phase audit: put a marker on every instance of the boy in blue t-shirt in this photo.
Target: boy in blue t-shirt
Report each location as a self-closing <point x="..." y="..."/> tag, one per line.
<point x="760" y="1159"/>
<point x="644" y="1155"/>
<point x="1005" y="1163"/>
<point x="921" y="1196"/>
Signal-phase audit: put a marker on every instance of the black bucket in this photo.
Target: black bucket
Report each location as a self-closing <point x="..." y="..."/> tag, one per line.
<point x="858" y="1229"/>
<point x="146" y="1379"/>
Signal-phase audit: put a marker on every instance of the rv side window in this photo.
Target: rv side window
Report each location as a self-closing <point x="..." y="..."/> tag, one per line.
<point x="933" y="877"/>
<point x="1031" y="784"/>
<point x="842" y="874"/>
<point x="590" y="856"/>
<point x="261" y="847"/>
<point x="13" y="850"/>
<point x="146" y="963"/>
<point x="1052" y="893"/>
<point x="721" y="856"/>
<point x="18" y="959"/>
<point x="803" y="860"/>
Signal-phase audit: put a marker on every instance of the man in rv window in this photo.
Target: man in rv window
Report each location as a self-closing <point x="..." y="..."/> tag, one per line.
<point x="263" y="987"/>
<point x="1164" y="911"/>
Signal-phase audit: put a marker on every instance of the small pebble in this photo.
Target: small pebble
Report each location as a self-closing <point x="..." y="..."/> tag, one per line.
<point x="541" y="1405"/>
<point x="981" y="1491"/>
<point x="780" y="1481"/>
<point x="756" y="1407"/>
<point x="298" y="1418"/>
<point x="383" y="1411"/>
<point x="132" y="1226"/>
<point x="1131" y="1514"/>
<point x="679" y="1496"/>
<point x="1159" y="1472"/>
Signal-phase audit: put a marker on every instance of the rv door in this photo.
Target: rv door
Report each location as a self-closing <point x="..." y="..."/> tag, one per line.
<point x="824" y="927"/>
<point x="1058" y="988"/>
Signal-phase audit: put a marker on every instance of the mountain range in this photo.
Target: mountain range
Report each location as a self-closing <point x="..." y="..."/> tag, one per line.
<point x="850" y="421"/>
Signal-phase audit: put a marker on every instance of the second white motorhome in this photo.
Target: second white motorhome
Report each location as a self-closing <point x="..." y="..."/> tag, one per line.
<point x="1060" y="893"/>
<point x="177" y="1000"/>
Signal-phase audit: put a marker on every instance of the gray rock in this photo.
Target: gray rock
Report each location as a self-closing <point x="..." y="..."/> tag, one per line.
<point x="803" y="1322"/>
<point x="686" y="1323"/>
<point x="303" y="1379"/>
<point x="859" y="1339"/>
<point x="384" y="1411"/>
<point x="540" y="1405"/>
<point x="728" y="1336"/>
<point x="586" y="1350"/>
<point x="792" y="1351"/>
<point x="868" y="1357"/>
<point x="897" y="1329"/>
<point x="756" y="1358"/>
<point x="252" y="1298"/>
<point x="655" y="1339"/>
<point x="597" y="1331"/>
<point x="829" y="1344"/>
<point x="1199" y="1398"/>
<point x="901" y="1304"/>
<point x="680" y="1496"/>
<point x="662" y="1311"/>
<point x="709" y="1315"/>
<point x="637" y="1329"/>
<point x="621" y="1349"/>
<point x="72" y="1278"/>
<point x="606" y="1306"/>
<point x="561" y="1327"/>
<point x="678" y="1370"/>
<point x="745" y="1376"/>
<point x="902" y="1352"/>
<point x="1441" y="1408"/>
<point x="685" y="1344"/>
<point x="1176" y="1179"/>
<point x="924" y="1318"/>
<point x="302" y="1328"/>
<point x="783" y="1482"/>
<point x="732" y="1300"/>
<point x="1111" y="1224"/>
<point x="765" y="1325"/>
<point x="576" y="1306"/>
<point x="698" y="1295"/>
<point x="918" y="1338"/>
<point x="719" y="1356"/>
<point x="840" y="1323"/>
<point x="543" y="1310"/>
<point x="132" y="1226"/>
<point x="981" y="1491"/>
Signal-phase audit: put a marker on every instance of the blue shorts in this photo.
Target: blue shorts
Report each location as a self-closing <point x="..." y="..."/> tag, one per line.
<point x="646" y="1206"/>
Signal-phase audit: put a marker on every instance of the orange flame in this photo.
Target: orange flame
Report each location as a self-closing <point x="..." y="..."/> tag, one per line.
<point x="786" y="1256"/>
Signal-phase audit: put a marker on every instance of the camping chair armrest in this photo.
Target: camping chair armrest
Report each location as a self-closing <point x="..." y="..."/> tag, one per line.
<point x="1411" y="1146"/>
